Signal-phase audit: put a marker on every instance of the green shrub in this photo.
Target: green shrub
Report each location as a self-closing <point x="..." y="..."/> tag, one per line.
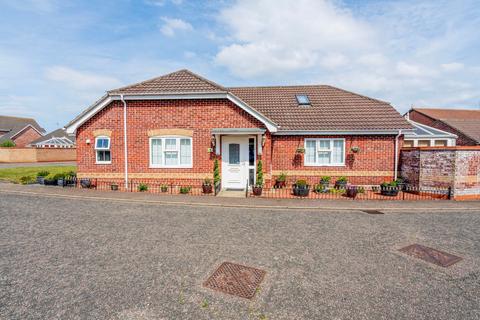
<point x="216" y="172"/>
<point x="360" y="189"/>
<point x="27" y="180"/>
<point x="391" y="184"/>
<point x="185" y="190"/>
<point x="71" y="174"/>
<point x="58" y="176"/>
<point x="43" y="173"/>
<point x="164" y="188"/>
<point x="319" y="188"/>
<point x="259" y="181"/>
<point x="142" y="187"/>
<point x="337" y="191"/>
<point x="282" y="177"/>
<point x="301" y="183"/>
<point x="207" y="182"/>
<point x="325" y="179"/>
<point x="342" y="179"/>
<point x="7" y="144"/>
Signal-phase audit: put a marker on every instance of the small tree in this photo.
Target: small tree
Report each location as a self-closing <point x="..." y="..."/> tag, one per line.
<point x="259" y="181"/>
<point x="7" y="144"/>
<point x="216" y="172"/>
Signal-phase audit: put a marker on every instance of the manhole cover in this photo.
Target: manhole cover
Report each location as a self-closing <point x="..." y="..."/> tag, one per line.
<point x="373" y="211"/>
<point x="437" y="257"/>
<point x="235" y="279"/>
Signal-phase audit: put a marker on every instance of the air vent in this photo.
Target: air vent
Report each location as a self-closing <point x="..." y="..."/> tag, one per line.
<point x="303" y="100"/>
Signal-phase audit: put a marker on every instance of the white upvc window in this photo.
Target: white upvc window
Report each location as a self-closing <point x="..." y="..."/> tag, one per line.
<point x="324" y="152"/>
<point x="171" y="152"/>
<point x="102" y="150"/>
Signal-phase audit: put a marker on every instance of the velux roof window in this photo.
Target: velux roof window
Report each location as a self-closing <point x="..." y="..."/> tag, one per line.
<point x="303" y="100"/>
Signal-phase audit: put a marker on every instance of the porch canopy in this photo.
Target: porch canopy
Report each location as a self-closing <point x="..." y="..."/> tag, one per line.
<point x="218" y="132"/>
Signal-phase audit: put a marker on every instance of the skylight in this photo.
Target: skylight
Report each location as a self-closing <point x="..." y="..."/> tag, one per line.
<point x="303" y="100"/>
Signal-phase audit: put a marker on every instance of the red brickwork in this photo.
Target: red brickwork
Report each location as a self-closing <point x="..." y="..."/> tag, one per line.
<point x="25" y="137"/>
<point x="462" y="139"/>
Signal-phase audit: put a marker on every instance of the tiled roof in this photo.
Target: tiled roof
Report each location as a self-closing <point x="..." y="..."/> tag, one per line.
<point x="330" y="108"/>
<point x="182" y="81"/>
<point x="463" y="120"/>
<point x="13" y="125"/>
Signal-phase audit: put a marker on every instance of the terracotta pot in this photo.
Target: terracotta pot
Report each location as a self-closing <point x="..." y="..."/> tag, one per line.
<point x="280" y="184"/>
<point x="207" y="188"/>
<point x="257" y="191"/>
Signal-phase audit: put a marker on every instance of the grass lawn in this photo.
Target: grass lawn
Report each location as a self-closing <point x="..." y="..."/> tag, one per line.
<point x="14" y="174"/>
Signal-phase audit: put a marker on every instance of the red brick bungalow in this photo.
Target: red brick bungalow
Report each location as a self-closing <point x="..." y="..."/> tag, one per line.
<point x="177" y="124"/>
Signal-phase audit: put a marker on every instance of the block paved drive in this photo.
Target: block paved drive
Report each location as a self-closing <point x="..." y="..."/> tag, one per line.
<point x="79" y="258"/>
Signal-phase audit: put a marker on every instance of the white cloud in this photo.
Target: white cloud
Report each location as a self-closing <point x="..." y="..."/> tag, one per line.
<point x="451" y="67"/>
<point x="172" y="25"/>
<point x="79" y="79"/>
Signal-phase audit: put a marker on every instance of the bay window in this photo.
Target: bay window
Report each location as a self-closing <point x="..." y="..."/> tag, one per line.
<point x="324" y="152"/>
<point x="171" y="152"/>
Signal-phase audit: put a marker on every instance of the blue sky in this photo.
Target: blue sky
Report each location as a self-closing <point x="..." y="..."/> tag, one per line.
<point x="59" y="56"/>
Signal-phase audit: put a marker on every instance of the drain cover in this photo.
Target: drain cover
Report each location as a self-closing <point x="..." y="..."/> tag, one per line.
<point x="434" y="256"/>
<point x="373" y="211"/>
<point x="235" y="279"/>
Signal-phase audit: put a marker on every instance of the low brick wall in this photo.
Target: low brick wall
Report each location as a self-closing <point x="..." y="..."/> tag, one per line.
<point x="441" y="167"/>
<point x="36" y="154"/>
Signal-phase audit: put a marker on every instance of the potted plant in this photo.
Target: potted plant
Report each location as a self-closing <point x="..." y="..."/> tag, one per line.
<point x="300" y="150"/>
<point x="325" y="181"/>
<point x="164" y="188"/>
<point x="320" y="188"/>
<point x="389" y="189"/>
<point x="41" y="176"/>
<point x="301" y="188"/>
<point x="258" y="187"/>
<point x="142" y="187"/>
<point x="114" y="186"/>
<point x="280" y="181"/>
<point x="27" y="180"/>
<point x="50" y="180"/>
<point x="341" y="183"/>
<point x="207" y="186"/>
<point x="60" y="177"/>
<point x="351" y="191"/>
<point x="400" y="183"/>
<point x="216" y="176"/>
<point x="185" y="190"/>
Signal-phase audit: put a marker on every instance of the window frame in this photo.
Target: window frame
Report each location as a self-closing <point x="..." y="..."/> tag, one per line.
<point x="109" y="148"/>
<point x="163" y="151"/>
<point x="317" y="149"/>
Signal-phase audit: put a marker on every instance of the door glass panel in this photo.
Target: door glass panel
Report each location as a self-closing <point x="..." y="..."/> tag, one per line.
<point x="251" y="152"/>
<point x="251" y="176"/>
<point x="234" y="153"/>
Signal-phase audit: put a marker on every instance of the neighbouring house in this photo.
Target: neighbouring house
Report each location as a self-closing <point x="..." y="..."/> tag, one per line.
<point x="464" y="123"/>
<point x="425" y="136"/>
<point x="56" y="139"/>
<point x="170" y="129"/>
<point x="19" y="130"/>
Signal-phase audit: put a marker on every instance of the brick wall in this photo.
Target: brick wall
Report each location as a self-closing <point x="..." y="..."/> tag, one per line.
<point x="462" y="139"/>
<point x="373" y="164"/>
<point x="443" y="167"/>
<point x="25" y="137"/>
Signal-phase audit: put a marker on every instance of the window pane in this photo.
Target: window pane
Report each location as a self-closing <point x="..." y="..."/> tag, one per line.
<point x="324" y="144"/>
<point x="233" y="153"/>
<point x="337" y="151"/>
<point x="251" y="152"/>
<point x="185" y="151"/>
<point x="424" y="143"/>
<point x="103" y="156"/>
<point x="171" y="158"/>
<point x="102" y="143"/>
<point x="170" y="144"/>
<point x="107" y="155"/>
<point x="310" y="151"/>
<point x="156" y="151"/>
<point x="324" y="157"/>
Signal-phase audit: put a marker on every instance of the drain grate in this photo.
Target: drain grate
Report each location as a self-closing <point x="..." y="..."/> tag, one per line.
<point x="434" y="256"/>
<point x="235" y="279"/>
<point x="373" y="211"/>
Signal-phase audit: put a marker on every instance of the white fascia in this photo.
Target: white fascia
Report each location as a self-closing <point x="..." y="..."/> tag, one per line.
<point x="104" y="101"/>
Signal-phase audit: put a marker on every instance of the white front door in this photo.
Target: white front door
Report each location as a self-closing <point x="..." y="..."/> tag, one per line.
<point x="234" y="162"/>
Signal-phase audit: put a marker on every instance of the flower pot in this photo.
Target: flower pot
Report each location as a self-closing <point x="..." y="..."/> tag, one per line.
<point x="207" y="188"/>
<point x="389" y="191"/>
<point x="352" y="192"/>
<point x="60" y="182"/>
<point x="41" y="180"/>
<point x="50" y="182"/>
<point x="114" y="187"/>
<point x="340" y="184"/>
<point x="257" y="190"/>
<point x="279" y="184"/>
<point x="85" y="183"/>
<point x="301" y="191"/>
<point x="164" y="189"/>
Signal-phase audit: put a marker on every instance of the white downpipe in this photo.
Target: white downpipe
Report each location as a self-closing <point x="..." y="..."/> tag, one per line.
<point x="396" y="154"/>
<point x="125" y="146"/>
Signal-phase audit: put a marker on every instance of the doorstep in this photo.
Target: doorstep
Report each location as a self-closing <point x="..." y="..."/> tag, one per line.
<point x="232" y="194"/>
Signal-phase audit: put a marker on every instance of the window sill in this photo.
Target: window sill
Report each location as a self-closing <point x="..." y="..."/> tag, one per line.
<point x="325" y="165"/>
<point x="103" y="162"/>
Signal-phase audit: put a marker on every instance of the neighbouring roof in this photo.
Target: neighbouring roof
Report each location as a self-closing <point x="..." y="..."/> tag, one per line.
<point x="182" y="81"/>
<point x="467" y="121"/>
<point x="13" y="125"/>
<point x="329" y="109"/>
<point x="424" y="131"/>
<point x="56" y="137"/>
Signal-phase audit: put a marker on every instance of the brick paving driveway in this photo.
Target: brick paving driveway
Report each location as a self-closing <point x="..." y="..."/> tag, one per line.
<point x="91" y="259"/>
